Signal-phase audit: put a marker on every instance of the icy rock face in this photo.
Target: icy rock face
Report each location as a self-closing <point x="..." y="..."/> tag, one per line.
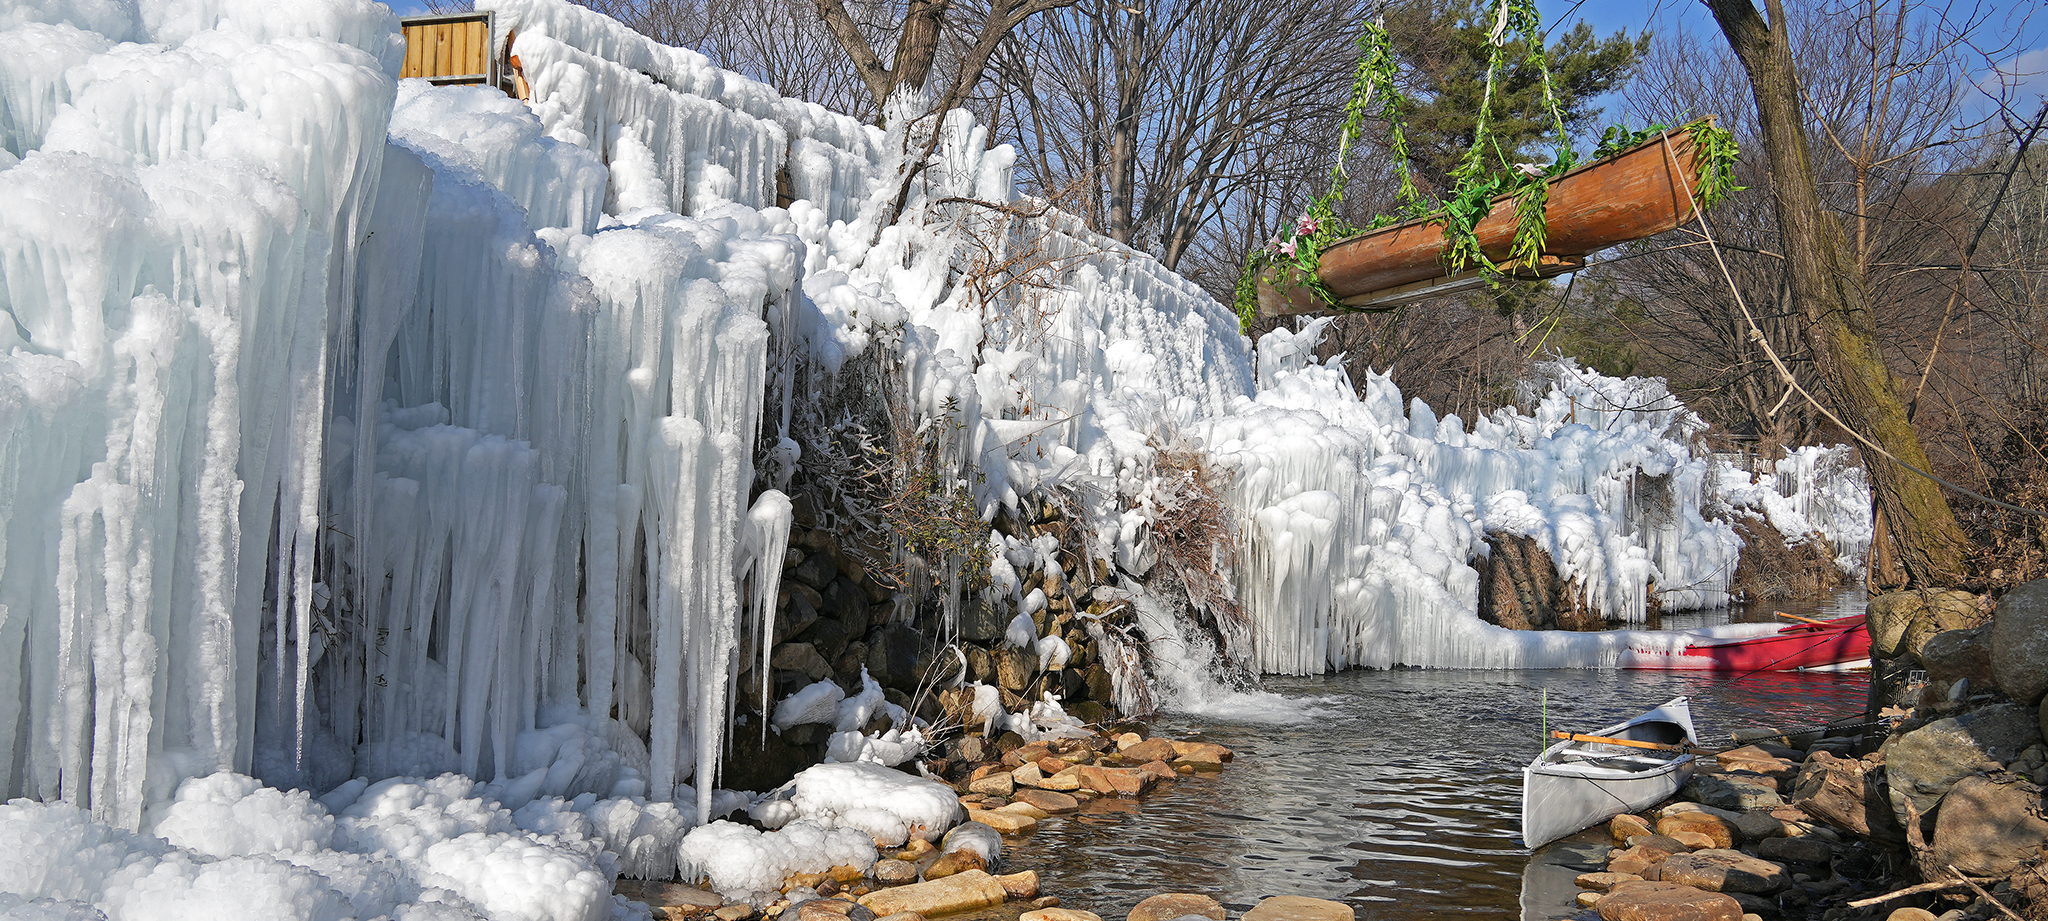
<point x="1810" y="491"/>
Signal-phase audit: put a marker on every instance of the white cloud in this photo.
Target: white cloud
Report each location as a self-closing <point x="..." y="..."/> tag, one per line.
<point x="2024" y="75"/>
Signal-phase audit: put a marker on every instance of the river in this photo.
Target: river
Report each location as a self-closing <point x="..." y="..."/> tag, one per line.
<point x="1397" y="792"/>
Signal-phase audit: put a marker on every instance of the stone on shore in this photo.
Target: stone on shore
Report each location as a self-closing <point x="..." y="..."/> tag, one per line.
<point x="960" y="892"/>
<point x="1009" y="823"/>
<point x="1642" y="856"/>
<point x="1626" y="826"/>
<point x="1149" y="750"/>
<point x="1989" y="827"/>
<point x="677" y="899"/>
<point x="893" y="872"/>
<point x="1757" y="826"/>
<point x="1646" y="900"/>
<point x="1053" y="802"/>
<point x="1735" y="791"/>
<point x="954" y="862"/>
<point x="1921" y="766"/>
<point x="1803" y="849"/>
<point x="1910" y="913"/>
<point x="1298" y="908"/>
<point x="996" y="784"/>
<point x="1020" y="885"/>
<point x="2019" y="643"/>
<point x="1716" y="831"/>
<point x="1059" y="914"/>
<point x="1601" y="882"/>
<point x="1170" y="905"/>
<point x="1723" y="871"/>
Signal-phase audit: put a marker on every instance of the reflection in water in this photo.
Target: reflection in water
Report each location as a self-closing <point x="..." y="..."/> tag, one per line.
<point x="1400" y="797"/>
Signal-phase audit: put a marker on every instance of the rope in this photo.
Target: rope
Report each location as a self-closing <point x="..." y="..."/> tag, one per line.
<point x="1756" y="334"/>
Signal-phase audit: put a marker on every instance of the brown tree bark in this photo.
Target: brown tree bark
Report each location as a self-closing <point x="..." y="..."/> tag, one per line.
<point x="917" y="44"/>
<point x="1918" y="541"/>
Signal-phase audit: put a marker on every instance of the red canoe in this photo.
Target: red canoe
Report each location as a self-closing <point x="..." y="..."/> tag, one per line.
<point x="1799" y="646"/>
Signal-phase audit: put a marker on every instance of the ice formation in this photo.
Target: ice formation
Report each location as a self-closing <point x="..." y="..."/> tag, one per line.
<point x="354" y="430"/>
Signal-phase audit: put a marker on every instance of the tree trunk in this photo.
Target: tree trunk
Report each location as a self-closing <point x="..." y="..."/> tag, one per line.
<point x="1918" y="541"/>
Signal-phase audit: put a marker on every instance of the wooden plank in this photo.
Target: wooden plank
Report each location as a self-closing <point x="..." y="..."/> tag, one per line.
<point x="413" y="51"/>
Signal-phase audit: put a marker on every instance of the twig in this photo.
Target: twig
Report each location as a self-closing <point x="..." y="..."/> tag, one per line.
<point x="1987" y="896"/>
<point x="1936" y="886"/>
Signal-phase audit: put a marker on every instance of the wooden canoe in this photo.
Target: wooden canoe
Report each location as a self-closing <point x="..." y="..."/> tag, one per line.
<point x="1634" y="194"/>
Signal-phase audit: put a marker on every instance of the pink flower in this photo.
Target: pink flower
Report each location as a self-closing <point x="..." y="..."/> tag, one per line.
<point x="1529" y="169"/>
<point x="1287" y="248"/>
<point x="1307" y="226"/>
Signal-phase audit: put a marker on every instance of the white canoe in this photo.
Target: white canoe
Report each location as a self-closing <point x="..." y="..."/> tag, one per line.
<point x="1575" y="785"/>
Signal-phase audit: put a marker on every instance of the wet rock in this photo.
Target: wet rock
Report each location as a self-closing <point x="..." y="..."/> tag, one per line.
<point x="734" y="913"/>
<point x="1067" y="780"/>
<point x="1053" y="802"/>
<point x="1657" y="901"/>
<point x="1149" y="750"/>
<point x="1806" y="850"/>
<point x="2019" y="643"/>
<point x="833" y="910"/>
<point x="954" y="862"/>
<point x="1693" y="840"/>
<point x="676" y="898"/>
<point x="995" y="784"/>
<point x="893" y="872"/>
<point x="1601" y="882"/>
<point x="1714" y="830"/>
<point x="1986" y="827"/>
<point x="1644" y="852"/>
<point x="1626" y="826"/>
<point x="1298" y="908"/>
<point x="1021" y="885"/>
<point x="1753" y="905"/>
<point x="1059" y="914"/>
<point x="1171" y="905"/>
<point x="1025" y="809"/>
<point x="1202" y="753"/>
<point x="902" y="916"/>
<point x="1735" y="792"/>
<point x="960" y="892"/>
<point x="1724" y="871"/>
<point x="1842" y="792"/>
<point x="1920" y="766"/>
<point x="1008" y="823"/>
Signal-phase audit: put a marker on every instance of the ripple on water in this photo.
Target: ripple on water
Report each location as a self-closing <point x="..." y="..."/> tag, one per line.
<point x="1401" y="797"/>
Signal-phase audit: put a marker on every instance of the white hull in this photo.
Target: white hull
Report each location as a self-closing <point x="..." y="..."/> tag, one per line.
<point x="1575" y="785"/>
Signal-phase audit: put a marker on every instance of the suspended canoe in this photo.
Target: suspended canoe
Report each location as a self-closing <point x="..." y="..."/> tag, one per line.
<point x="1637" y="193"/>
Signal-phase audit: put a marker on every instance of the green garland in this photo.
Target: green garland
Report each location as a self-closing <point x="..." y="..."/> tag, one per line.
<point x="1290" y="262"/>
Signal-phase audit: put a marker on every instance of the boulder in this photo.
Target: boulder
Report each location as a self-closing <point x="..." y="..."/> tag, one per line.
<point x="1736" y="792"/>
<point x="1014" y="668"/>
<point x="2019" y="643"/>
<point x="1910" y="913"/>
<point x="1067" y="780"/>
<point x="1601" y="882"/>
<point x="1298" y="908"/>
<point x="1053" y="802"/>
<point x="1804" y="849"/>
<point x="1901" y="621"/>
<point x="1008" y="823"/>
<point x="1724" y="871"/>
<point x="1626" y="826"/>
<point x="954" y="862"/>
<point x="893" y="872"/>
<point x="1989" y="826"/>
<point x="1170" y="905"/>
<point x="1842" y="792"/>
<point x="998" y="783"/>
<point x="1718" y="832"/>
<point x="1640" y="857"/>
<point x="1757" y="826"/>
<point x="1953" y="655"/>
<point x="1920" y="766"/>
<point x="801" y="657"/>
<point x="677" y="899"/>
<point x="1756" y="760"/>
<point x="892" y="658"/>
<point x="1656" y="901"/>
<point x="1202" y="753"/>
<point x="1058" y="914"/>
<point x="1020" y="885"/>
<point x="960" y="892"/>
<point x="1148" y="750"/>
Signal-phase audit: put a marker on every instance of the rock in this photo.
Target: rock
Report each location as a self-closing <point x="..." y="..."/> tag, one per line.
<point x="1022" y="885"/>
<point x="1953" y="655"/>
<point x="1158" y="769"/>
<point x="1724" y="871"/>
<point x="734" y="913"/>
<point x="1756" y="826"/>
<point x="833" y="910"/>
<point x="1046" y="901"/>
<point x="1843" y="793"/>
<point x="1922" y="765"/>
<point x="902" y="916"/>
<point x="1170" y="905"/>
<point x="1067" y="780"/>
<point x="1677" y="806"/>
<point x="801" y="657"/>
<point x="955" y="862"/>
<point x="1588" y="899"/>
<point x="960" y="892"/>
<point x="1640" y="857"/>
<point x="1693" y="840"/>
<point x="1626" y="826"/>
<point x="1027" y="775"/>
<point x="677" y="899"/>
<point x="1756" y="759"/>
<point x="2019" y="643"/>
<point x="995" y="784"/>
<point x="980" y="621"/>
<point x="1806" y="850"/>
<point x="1657" y="901"/>
<point x="1901" y="621"/>
<point x="1298" y="908"/>
<point x="1735" y="792"/>
<point x="1014" y="668"/>
<point x="1149" y="750"/>
<point x="893" y="872"/>
<point x="1115" y="781"/>
<point x="1008" y="823"/>
<point x="1025" y="809"/>
<point x="1986" y="827"/>
<point x="892" y="657"/>
<point x="1601" y="882"/>
<point x="1205" y="753"/>
<point x="817" y="570"/>
<point x="1910" y="913"/>
<point x="1053" y="802"/>
<point x="1716" y="831"/>
<point x="1059" y="914"/>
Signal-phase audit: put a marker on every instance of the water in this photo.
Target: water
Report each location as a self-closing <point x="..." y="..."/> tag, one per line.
<point x="1397" y="792"/>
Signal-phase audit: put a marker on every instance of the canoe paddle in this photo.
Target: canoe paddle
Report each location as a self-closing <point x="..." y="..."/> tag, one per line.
<point x="1631" y="743"/>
